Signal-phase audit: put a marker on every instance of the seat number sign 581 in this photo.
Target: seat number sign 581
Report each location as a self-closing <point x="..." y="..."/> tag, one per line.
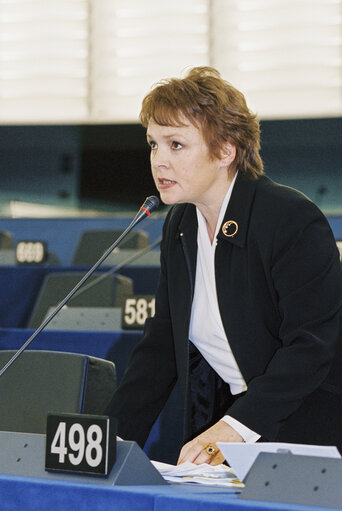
<point x="136" y="310"/>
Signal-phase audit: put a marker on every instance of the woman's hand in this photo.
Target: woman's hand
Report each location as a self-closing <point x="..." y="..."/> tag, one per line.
<point x="196" y="451"/>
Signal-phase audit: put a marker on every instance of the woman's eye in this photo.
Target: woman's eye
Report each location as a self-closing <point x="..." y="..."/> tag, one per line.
<point x="152" y="144"/>
<point x="176" y="145"/>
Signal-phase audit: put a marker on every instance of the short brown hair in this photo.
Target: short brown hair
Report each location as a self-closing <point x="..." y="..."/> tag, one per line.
<point x="215" y="106"/>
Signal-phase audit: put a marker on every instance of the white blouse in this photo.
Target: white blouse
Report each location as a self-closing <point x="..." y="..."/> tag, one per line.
<point x="206" y="330"/>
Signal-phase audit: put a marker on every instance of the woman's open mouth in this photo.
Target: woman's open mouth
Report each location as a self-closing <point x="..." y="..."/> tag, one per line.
<point x="165" y="183"/>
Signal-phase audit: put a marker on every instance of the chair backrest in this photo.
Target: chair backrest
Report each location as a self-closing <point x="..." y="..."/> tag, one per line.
<point x="39" y="382"/>
<point x="6" y="240"/>
<point x="93" y="244"/>
<point x="110" y="291"/>
<point x="150" y="258"/>
<point x="7" y="252"/>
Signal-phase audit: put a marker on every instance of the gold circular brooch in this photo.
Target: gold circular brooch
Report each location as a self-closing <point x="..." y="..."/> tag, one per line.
<point x="230" y="228"/>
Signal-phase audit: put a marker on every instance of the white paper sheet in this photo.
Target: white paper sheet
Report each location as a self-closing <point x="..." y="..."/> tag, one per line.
<point x="241" y="456"/>
<point x="219" y="475"/>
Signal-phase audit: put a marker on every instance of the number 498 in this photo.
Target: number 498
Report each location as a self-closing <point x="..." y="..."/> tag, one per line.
<point x="82" y="444"/>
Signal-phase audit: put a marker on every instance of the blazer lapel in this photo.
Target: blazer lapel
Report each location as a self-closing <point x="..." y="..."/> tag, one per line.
<point x="231" y="261"/>
<point x="184" y="262"/>
<point x="235" y="223"/>
<point x="187" y="231"/>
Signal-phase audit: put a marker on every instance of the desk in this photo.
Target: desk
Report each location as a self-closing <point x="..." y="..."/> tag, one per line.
<point x="29" y="494"/>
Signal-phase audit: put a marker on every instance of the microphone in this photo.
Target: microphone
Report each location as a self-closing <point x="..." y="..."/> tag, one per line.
<point x="151" y="203"/>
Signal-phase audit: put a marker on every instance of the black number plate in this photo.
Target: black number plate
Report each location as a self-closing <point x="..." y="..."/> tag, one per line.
<point x="80" y="443"/>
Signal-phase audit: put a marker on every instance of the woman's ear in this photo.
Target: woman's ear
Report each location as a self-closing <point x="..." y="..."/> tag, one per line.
<point x="228" y="154"/>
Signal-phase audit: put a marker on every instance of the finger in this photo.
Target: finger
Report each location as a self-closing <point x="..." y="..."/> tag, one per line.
<point x="197" y="453"/>
<point x="190" y="454"/>
<point x="203" y="457"/>
<point x="217" y="459"/>
<point x="190" y="451"/>
<point x="211" y="455"/>
<point x="196" y="456"/>
<point x="183" y="453"/>
<point x="212" y="459"/>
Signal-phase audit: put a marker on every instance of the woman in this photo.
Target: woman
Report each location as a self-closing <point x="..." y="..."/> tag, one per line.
<point x="248" y="306"/>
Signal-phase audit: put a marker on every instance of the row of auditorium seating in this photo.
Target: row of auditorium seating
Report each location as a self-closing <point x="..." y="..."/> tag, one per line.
<point x="103" y="294"/>
<point x="78" y="240"/>
<point x="105" y="289"/>
<point x="90" y="247"/>
<point x="28" y="293"/>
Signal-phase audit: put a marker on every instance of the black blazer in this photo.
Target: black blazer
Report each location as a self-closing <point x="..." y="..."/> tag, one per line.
<point x="279" y="288"/>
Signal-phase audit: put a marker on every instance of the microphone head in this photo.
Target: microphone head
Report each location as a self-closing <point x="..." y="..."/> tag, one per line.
<point x="151" y="203"/>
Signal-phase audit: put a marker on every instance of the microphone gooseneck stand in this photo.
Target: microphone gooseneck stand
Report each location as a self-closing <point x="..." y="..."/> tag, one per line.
<point x="151" y="203"/>
<point x="119" y="266"/>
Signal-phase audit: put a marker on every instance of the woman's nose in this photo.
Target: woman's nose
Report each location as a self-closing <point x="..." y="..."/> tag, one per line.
<point x="159" y="158"/>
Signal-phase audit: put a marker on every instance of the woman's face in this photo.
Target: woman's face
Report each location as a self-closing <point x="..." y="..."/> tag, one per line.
<point x="181" y="167"/>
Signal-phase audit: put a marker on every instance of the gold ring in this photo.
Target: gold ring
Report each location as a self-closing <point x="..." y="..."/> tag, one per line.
<point x="210" y="450"/>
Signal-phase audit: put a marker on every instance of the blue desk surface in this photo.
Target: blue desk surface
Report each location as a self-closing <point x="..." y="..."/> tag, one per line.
<point x="34" y="494"/>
